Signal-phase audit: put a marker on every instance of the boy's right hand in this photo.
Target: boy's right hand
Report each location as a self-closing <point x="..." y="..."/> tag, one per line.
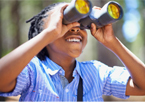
<point x="54" y="22"/>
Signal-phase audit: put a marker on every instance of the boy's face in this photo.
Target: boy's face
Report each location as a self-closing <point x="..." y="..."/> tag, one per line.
<point x="71" y="44"/>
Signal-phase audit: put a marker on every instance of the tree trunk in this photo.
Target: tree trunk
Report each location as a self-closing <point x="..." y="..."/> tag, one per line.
<point x="1" y="98"/>
<point x="0" y="30"/>
<point x="15" y="21"/>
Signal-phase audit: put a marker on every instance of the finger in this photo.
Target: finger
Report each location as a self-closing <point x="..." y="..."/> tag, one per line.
<point x="63" y="6"/>
<point x="103" y="29"/>
<point x="93" y="28"/>
<point x="109" y="24"/>
<point x="60" y="9"/>
<point x="69" y="26"/>
<point x="74" y="24"/>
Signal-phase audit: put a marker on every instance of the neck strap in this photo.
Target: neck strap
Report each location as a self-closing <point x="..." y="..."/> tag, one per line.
<point x="80" y="90"/>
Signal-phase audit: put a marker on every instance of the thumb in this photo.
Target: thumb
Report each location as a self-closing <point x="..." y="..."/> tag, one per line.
<point x="69" y="26"/>
<point x="74" y="24"/>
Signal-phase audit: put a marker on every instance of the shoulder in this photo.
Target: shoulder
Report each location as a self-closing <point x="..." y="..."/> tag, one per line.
<point x="35" y="61"/>
<point x="94" y="63"/>
<point x="96" y="67"/>
<point x="34" y="65"/>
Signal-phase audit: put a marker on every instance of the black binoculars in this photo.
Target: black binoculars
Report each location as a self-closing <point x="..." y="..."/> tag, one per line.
<point x="81" y="11"/>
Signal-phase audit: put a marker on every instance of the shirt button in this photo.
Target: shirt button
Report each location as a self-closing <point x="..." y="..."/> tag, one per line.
<point x="74" y="98"/>
<point x="61" y="72"/>
<point x="67" y="90"/>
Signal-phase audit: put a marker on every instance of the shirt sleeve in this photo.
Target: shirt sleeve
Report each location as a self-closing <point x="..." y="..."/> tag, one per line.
<point x="23" y="81"/>
<point x="115" y="82"/>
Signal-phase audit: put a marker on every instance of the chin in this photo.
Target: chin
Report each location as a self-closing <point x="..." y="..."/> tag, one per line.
<point x="75" y="55"/>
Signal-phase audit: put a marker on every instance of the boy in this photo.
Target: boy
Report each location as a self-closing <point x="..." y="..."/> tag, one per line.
<point x="54" y="74"/>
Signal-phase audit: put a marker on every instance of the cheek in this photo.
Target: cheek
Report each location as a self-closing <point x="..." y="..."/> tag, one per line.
<point x="85" y="38"/>
<point x="85" y="42"/>
<point x="58" y="46"/>
<point x="55" y="46"/>
<point x="52" y="47"/>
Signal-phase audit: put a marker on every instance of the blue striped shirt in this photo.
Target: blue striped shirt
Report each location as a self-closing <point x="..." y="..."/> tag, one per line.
<point x="40" y="81"/>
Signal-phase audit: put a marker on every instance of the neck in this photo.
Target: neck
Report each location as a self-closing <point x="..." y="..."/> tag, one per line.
<point x="67" y="63"/>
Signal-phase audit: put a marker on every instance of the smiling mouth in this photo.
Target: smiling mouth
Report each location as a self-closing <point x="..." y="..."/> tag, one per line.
<point x="73" y="40"/>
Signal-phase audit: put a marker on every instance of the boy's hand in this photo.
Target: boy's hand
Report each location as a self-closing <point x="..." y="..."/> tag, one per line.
<point x="104" y="35"/>
<point x="54" y="22"/>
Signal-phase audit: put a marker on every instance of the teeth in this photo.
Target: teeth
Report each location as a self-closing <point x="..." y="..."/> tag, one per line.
<point x="73" y="40"/>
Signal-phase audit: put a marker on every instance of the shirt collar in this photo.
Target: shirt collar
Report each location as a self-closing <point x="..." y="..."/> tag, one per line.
<point x="77" y="70"/>
<point x="52" y="68"/>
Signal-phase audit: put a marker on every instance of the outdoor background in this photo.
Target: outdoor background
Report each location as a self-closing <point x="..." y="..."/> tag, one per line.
<point x="130" y="30"/>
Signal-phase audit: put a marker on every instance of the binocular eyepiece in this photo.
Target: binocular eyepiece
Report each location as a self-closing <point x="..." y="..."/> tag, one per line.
<point x="81" y="11"/>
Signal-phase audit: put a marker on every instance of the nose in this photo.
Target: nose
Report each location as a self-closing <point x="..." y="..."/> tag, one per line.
<point x="75" y="29"/>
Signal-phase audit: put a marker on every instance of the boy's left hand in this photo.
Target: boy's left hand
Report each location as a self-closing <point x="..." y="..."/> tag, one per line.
<point x="104" y="35"/>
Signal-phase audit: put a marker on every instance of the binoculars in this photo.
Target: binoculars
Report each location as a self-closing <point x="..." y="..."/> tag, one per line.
<point x="81" y="11"/>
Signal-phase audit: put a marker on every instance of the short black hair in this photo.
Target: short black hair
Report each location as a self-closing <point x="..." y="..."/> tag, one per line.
<point x="36" y="27"/>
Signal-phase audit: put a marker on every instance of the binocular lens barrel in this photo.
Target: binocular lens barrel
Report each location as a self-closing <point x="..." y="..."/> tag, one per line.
<point x="82" y="6"/>
<point x="114" y="11"/>
<point x="110" y="13"/>
<point x="77" y="10"/>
